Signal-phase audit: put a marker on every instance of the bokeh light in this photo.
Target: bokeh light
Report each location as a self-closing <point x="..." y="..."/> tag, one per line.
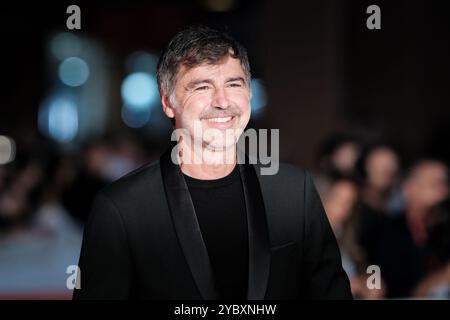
<point x="139" y="90"/>
<point x="7" y="150"/>
<point x="73" y="71"/>
<point x="65" y="45"/>
<point x="58" y="119"/>
<point x="259" y="97"/>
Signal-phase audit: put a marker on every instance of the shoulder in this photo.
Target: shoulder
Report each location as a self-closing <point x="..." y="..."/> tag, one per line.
<point x="283" y="172"/>
<point x="289" y="184"/>
<point x="287" y="169"/>
<point x="138" y="180"/>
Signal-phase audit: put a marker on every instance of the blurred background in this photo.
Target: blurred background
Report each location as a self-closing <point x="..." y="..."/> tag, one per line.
<point x="366" y="111"/>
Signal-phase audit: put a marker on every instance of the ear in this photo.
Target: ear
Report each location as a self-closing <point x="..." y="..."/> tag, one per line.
<point x="167" y="107"/>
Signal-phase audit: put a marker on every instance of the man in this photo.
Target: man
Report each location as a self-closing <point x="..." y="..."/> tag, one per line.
<point x="209" y="229"/>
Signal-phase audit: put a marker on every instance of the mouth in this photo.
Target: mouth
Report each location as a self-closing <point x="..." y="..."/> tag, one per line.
<point x="221" y="122"/>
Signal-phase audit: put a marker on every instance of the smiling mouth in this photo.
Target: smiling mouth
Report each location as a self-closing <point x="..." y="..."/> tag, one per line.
<point x="220" y="119"/>
<point x="221" y="123"/>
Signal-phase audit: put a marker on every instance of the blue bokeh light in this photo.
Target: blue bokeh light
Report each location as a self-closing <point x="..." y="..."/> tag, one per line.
<point x="139" y="90"/>
<point x="58" y="118"/>
<point x="73" y="71"/>
<point x="259" y="97"/>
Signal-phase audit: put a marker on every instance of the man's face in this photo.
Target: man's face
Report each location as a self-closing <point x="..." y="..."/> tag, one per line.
<point x="215" y="98"/>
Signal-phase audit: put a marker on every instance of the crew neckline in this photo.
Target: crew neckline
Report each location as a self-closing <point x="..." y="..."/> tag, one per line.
<point x="228" y="179"/>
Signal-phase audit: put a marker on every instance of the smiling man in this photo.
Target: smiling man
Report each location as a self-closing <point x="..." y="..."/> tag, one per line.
<point x="214" y="228"/>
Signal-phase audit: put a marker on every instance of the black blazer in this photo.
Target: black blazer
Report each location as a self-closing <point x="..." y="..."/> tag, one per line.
<point x="142" y="239"/>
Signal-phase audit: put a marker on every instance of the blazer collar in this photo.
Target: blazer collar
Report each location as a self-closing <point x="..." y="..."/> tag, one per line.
<point x="191" y="240"/>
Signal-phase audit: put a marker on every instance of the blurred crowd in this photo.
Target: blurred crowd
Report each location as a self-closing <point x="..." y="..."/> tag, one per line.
<point x="388" y="215"/>
<point x="45" y="198"/>
<point x="382" y="212"/>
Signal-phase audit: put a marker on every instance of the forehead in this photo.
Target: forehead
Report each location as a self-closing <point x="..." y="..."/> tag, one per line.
<point x="227" y="67"/>
<point x="382" y="153"/>
<point x="432" y="171"/>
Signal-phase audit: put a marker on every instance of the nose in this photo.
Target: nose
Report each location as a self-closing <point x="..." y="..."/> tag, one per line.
<point x="220" y="99"/>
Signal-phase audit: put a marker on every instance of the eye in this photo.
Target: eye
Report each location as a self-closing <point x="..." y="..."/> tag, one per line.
<point x="202" y="88"/>
<point x="235" y="85"/>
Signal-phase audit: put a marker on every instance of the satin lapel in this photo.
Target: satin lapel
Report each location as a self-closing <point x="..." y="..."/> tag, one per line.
<point x="258" y="235"/>
<point x="187" y="227"/>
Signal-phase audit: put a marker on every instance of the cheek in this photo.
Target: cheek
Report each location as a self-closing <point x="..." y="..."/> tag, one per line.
<point x="245" y="118"/>
<point x="243" y="104"/>
<point x="194" y="108"/>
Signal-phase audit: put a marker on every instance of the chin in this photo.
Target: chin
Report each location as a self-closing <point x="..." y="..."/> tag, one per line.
<point x="220" y="145"/>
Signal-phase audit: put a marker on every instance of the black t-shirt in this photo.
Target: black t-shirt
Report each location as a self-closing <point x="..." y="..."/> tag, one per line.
<point x="220" y="208"/>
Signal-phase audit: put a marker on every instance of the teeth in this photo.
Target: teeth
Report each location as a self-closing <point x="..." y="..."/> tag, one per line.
<point x="220" y="119"/>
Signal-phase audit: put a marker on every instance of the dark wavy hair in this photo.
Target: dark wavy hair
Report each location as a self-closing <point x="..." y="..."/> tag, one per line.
<point x="193" y="47"/>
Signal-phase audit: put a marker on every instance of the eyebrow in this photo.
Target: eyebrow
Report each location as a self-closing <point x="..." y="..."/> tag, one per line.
<point x="194" y="83"/>
<point x="236" y="79"/>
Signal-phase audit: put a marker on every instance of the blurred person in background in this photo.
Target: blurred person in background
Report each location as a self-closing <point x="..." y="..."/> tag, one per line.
<point x="380" y="171"/>
<point x="337" y="159"/>
<point x="21" y="183"/>
<point x="436" y="283"/>
<point x="101" y="162"/>
<point x="340" y="204"/>
<point x="86" y="179"/>
<point x="125" y="155"/>
<point x="404" y="251"/>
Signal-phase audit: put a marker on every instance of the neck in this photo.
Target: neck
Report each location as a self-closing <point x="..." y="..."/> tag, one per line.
<point x="207" y="164"/>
